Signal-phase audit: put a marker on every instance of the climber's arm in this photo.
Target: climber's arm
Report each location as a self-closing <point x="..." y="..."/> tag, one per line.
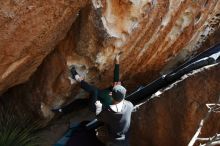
<point x="116" y="73"/>
<point x="101" y="114"/>
<point x="116" y="79"/>
<point x="88" y="88"/>
<point x="94" y="94"/>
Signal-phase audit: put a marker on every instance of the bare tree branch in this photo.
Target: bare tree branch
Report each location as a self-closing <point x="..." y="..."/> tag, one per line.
<point x="208" y="139"/>
<point x="215" y="107"/>
<point x="215" y="140"/>
<point x="212" y="108"/>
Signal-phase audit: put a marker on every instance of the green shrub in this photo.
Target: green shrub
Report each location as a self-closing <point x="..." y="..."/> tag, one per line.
<point x="16" y="129"/>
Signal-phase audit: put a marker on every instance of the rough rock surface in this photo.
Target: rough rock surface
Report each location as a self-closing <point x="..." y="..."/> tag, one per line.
<point x="154" y="35"/>
<point x="173" y="115"/>
<point x="29" y="31"/>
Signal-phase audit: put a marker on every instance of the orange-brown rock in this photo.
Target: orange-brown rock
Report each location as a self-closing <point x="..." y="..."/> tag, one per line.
<point x="154" y="35"/>
<point x="29" y="31"/>
<point x="173" y="114"/>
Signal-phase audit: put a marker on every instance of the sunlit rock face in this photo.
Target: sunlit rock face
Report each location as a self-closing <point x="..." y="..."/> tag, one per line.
<point x="29" y="31"/>
<point x="154" y="36"/>
<point x="172" y="117"/>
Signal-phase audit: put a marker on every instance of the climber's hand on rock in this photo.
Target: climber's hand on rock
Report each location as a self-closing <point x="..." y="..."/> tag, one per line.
<point x="116" y="83"/>
<point x="73" y="70"/>
<point x="117" y="58"/>
<point x="74" y="74"/>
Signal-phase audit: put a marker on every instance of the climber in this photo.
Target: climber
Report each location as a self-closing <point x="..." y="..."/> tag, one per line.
<point x="110" y="107"/>
<point x="115" y="115"/>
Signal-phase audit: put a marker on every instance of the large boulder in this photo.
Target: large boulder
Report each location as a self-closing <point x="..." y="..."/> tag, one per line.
<point x="154" y="36"/>
<point x="29" y="31"/>
<point x="173" y="114"/>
